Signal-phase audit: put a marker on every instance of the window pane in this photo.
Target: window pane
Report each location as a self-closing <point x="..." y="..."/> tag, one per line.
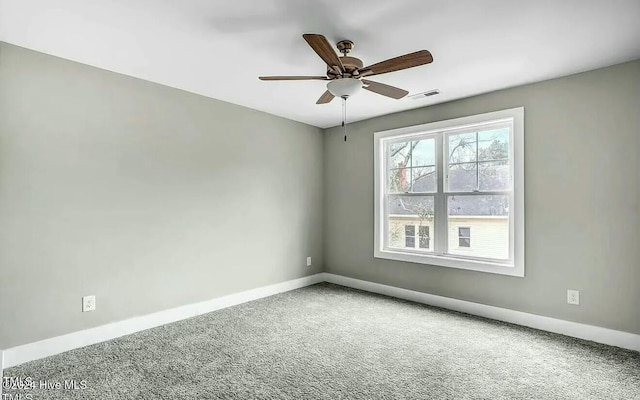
<point x="399" y="155"/>
<point x="424" y="237"/>
<point x="479" y="226"/>
<point x="410" y="242"/>
<point x="399" y="180"/>
<point x="493" y="144"/>
<point x="462" y="178"/>
<point x="411" y="167"/>
<point x="494" y="175"/>
<point x="483" y="169"/>
<point x="405" y="213"/>
<point x="462" y="148"/>
<point x="424" y="179"/>
<point x="424" y="153"/>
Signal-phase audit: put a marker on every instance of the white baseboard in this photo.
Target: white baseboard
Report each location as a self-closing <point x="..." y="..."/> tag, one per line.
<point x="588" y="332"/>
<point x="48" y="347"/>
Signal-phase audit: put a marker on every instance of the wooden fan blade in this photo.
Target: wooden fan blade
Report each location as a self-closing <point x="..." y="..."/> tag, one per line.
<point x="292" y="78"/>
<point x="323" y="48"/>
<point x="325" y="98"/>
<point x="385" y="90"/>
<point x="395" y="64"/>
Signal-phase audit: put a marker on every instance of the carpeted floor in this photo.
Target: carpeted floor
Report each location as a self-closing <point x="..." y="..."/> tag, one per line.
<point x="329" y="342"/>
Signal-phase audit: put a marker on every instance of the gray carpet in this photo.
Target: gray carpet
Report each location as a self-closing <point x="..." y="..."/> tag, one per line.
<point x="329" y="342"/>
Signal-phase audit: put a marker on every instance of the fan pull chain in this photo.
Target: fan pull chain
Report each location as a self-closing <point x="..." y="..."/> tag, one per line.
<point x="344" y="117"/>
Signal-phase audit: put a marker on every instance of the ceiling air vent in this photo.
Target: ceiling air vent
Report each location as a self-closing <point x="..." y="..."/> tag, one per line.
<point x="424" y="94"/>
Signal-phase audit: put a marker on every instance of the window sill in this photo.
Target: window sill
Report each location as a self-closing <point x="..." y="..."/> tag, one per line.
<point x="453" y="262"/>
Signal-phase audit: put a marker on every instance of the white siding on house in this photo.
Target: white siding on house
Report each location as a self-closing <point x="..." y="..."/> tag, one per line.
<point x="489" y="234"/>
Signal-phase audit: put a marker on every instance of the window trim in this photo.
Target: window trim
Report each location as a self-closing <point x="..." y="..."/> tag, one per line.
<point x="516" y="266"/>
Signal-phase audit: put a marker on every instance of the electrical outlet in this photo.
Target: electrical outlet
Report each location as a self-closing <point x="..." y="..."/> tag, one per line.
<point x="88" y="303"/>
<point x="573" y="297"/>
<point x="308" y="261"/>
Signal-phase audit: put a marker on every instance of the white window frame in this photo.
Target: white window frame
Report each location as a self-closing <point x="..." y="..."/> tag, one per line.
<point x="515" y="265"/>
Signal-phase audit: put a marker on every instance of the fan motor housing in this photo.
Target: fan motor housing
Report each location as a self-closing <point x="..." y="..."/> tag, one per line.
<point x="350" y="65"/>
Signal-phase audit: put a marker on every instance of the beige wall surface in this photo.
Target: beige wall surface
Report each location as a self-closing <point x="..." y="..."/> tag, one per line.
<point x="582" y="201"/>
<point x="146" y="196"/>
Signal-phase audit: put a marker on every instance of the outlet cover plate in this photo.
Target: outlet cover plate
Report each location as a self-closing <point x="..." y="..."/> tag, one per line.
<point x="573" y="297"/>
<point x="88" y="303"/>
<point x="308" y="261"/>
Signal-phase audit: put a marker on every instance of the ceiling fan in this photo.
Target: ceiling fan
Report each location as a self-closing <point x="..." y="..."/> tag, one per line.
<point x="345" y="73"/>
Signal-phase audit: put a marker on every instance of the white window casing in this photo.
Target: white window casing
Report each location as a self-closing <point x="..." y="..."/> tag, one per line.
<point x="439" y="253"/>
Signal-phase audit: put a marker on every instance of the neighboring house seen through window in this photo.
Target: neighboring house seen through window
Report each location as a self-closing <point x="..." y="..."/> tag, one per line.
<point x="437" y="183"/>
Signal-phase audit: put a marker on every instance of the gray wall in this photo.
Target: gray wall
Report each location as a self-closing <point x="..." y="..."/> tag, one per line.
<point x="151" y="198"/>
<point x="582" y="146"/>
<point x="146" y="196"/>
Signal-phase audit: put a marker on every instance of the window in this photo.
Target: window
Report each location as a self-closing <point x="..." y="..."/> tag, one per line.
<point x="409" y="242"/>
<point x="464" y="237"/>
<point x="409" y="236"/>
<point x="446" y="179"/>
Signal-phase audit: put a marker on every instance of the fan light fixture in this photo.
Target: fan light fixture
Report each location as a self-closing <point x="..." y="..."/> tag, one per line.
<point x="345" y="73"/>
<point x="344" y="87"/>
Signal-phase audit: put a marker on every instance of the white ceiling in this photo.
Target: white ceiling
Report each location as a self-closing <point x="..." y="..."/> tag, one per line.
<point x="217" y="48"/>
